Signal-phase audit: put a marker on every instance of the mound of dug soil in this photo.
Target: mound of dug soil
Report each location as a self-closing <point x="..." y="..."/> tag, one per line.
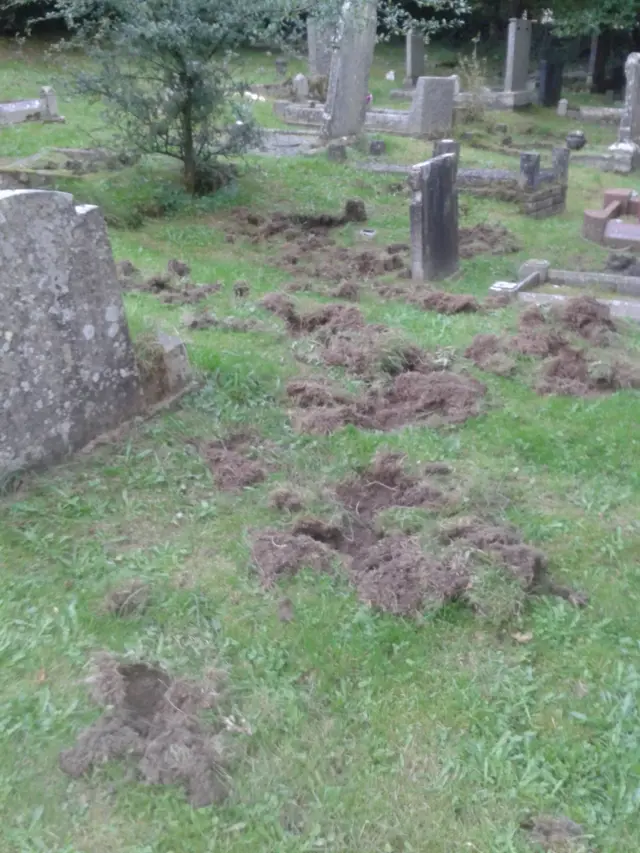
<point x="432" y="398"/>
<point x="393" y="572"/>
<point x="487" y="239"/>
<point x="567" y="368"/>
<point x="229" y="463"/>
<point x="154" y="720"/>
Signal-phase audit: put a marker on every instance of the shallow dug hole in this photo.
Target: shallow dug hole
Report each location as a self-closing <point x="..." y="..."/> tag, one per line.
<point x="433" y="398"/>
<point x="153" y="720"/>
<point x="560" y="338"/>
<point x="399" y="573"/>
<point x="231" y="463"/>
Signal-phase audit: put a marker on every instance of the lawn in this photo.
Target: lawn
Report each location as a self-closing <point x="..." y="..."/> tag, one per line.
<point x="357" y="731"/>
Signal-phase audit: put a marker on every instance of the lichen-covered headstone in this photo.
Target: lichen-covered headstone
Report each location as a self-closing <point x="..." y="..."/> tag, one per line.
<point x="67" y="367"/>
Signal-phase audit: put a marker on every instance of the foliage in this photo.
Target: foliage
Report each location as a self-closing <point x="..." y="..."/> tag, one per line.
<point x="576" y="17"/>
<point x="472" y="71"/>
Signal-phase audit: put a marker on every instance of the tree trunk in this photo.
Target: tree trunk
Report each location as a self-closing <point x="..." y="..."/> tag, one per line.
<point x="189" y="162"/>
<point x="599" y="83"/>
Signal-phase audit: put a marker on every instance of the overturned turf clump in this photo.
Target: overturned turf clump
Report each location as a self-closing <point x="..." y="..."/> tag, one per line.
<point x="433" y="398"/>
<point x="342" y="338"/>
<point x="557" y="338"/>
<point x="229" y="464"/>
<point x="487" y="239"/>
<point x="394" y="572"/>
<point x="588" y="318"/>
<point x="154" y="720"/>
<point x="171" y="289"/>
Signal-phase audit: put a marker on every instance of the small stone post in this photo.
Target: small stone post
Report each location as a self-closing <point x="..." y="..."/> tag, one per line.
<point x="415" y="59"/>
<point x="49" y="104"/>
<point x="433" y="216"/>
<point x="561" y="157"/>
<point x="518" y="50"/>
<point x="529" y="170"/>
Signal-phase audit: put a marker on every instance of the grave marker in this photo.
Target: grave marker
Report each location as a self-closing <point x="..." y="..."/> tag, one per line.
<point x="433" y="216"/>
<point x="518" y="51"/>
<point x="350" y="66"/>
<point x="320" y="47"/>
<point x="68" y="371"/>
<point x="431" y="113"/>
<point x="415" y="58"/>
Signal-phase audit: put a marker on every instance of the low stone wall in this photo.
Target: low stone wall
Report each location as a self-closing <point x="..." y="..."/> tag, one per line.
<point x="44" y="108"/>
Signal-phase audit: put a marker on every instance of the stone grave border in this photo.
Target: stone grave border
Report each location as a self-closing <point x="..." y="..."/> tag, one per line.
<point x="597" y="224"/>
<point x="534" y="273"/>
<point x="44" y="109"/>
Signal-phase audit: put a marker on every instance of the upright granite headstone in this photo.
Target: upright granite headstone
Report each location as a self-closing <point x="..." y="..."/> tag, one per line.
<point x="529" y="170"/>
<point x="431" y="113"/>
<point x="433" y="215"/>
<point x="67" y="367"/>
<point x="350" y="66"/>
<point x="320" y="47"/>
<point x="415" y="58"/>
<point x="518" y="51"/>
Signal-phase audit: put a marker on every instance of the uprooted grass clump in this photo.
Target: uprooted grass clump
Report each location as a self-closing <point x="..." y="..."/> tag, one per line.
<point x="154" y="720"/>
<point x="434" y="398"/>
<point x="231" y="461"/>
<point x="485" y="564"/>
<point x="576" y="342"/>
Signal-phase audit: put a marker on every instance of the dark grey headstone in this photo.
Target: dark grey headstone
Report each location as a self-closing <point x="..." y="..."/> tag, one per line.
<point x="561" y="157"/>
<point x="377" y="147"/>
<point x="434" y="219"/>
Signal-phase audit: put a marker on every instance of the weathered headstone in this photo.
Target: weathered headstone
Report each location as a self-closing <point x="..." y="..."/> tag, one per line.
<point x="563" y="107"/>
<point x="67" y="367"/>
<point x="630" y="123"/>
<point x="300" y="87"/>
<point x="350" y="66"/>
<point x="337" y="152"/>
<point x="281" y="65"/>
<point x="518" y="51"/>
<point x="320" y="47"/>
<point x="415" y="58"/>
<point x="433" y="215"/>
<point x="446" y="146"/>
<point x="431" y="113"/>
<point x="560" y="159"/>
<point x="550" y="82"/>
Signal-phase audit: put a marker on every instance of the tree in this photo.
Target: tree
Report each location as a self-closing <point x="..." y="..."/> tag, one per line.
<point x="163" y="68"/>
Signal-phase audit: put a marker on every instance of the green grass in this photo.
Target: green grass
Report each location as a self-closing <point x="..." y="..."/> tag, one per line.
<point x="368" y="732"/>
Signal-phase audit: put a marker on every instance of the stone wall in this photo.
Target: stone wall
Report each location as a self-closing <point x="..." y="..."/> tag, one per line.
<point x="67" y="367"/>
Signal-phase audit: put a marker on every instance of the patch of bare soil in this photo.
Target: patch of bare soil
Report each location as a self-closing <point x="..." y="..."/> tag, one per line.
<point x="277" y="554"/>
<point x="588" y="318"/>
<point x="342" y="338"/>
<point x="393" y="572"/>
<point x="287" y="499"/>
<point x="153" y="719"/>
<point x="487" y="239"/>
<point x="486" y="352"/>
<point x="433" y="398"/>
<point x="556" y="834"/>
<point x="439" y="300"/>
<point x="551" y="336"/>
<point x="229" y="463"/>
<point x="129" y="599"/>
<point x="449" y="303"/>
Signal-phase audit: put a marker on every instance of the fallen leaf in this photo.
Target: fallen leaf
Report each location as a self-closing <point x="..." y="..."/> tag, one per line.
<point x="522" y="638"/>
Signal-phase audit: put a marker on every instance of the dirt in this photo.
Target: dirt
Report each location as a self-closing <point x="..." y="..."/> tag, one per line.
<point x="487" y="239"/>
<point x="440" y="301"/>
<point x="169" y="288"/>
<point x="178" y="268"/>
<point x="286" y="499"/>
<point x="130" y="599"/>
<point x="277" y="554"/>
<point x="449" y="303"/>
<point x="557" y="339"/>
<point x="527" y="564"/>
<point x="588" y="318"/>
<point x="556" y="834"/>
<point x="229" y="463"/>
<point x="342" y="338"/>
<point x="432" y="398"/>
<point x="154" y="720"/>
<point x="393" y="572"/>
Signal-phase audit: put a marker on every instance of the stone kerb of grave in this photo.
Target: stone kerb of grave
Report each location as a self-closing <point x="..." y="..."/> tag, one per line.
<point x="44" y="109"/>
<point x="605" y="226"/>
